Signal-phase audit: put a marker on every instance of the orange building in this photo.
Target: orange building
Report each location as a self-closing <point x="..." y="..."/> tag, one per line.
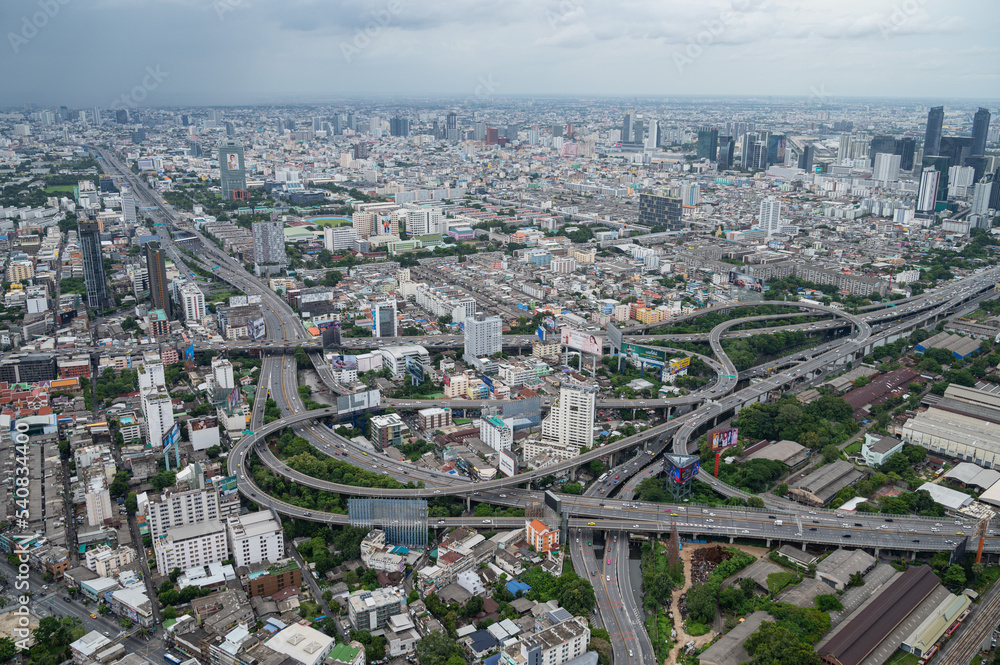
<point x="541" y="537"/>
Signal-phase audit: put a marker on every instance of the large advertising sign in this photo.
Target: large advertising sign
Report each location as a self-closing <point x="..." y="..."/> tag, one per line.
<point x="227" y="487"/>
<point x="541" y="333"/>
<point x="172" y="437"/>
<point x="358" y="401"/>
<point x="507" y="466"/>
<point x="233" y="162"/>
<point x="684" y="474"/>
<point x="719" y="439"/>
<point x="257" y="329"/>
<point x="415" y="369"/>
<point x="345" y="362"/>
<point x="746" y="281"/>
<point x="550" y="322"/>
<point x="678" y="366"/>
<point x="651" y="355"/>
<point x="581" y="341"/>
<point x="614" y="337"/>
<point x="488" y="381"/>
<point x="234" y="397"/>
<point x="189" y="353"/>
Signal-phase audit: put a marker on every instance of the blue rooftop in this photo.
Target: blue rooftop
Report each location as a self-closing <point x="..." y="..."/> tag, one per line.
<point x="514" y="586"/>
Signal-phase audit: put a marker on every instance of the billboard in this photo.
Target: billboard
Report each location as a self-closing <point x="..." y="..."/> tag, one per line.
<point x="541" y="333"/>
<point x="234" y="397"/>
<point x="722" y="438"/>
<point x="678" y="366"/>
<point x="189" y="353"/>
<point x="581" y="341"/>
<point x="172" y="437"/>
<point x="746" y="281"/>
<point x="415" y="369"/>
<point x="233" y="162"/>
<point x="614" y="337"/>
<point x="644" y="354"/>
<point x="680" y="474"/>
<point x="507" y="465"/>
<point x="257" y="329"/>
<point x="358" y="401"/>
<point x="550" y="322"/>
<point x="227" y="487"/>
<point x="488" y="381"/>
<point x="345" y="362"/>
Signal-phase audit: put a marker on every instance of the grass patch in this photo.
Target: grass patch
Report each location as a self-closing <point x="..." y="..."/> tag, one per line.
<point x="52" y="189"/>
<point x="776" y="582"/>
<point x="695" y="629"/>
<point x="331" y="222"/>
<point x="987" y="579"/>
<point x="854" y="449"/>
<point x="900" y="657"/>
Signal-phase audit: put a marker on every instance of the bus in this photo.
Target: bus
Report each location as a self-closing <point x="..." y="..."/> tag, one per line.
<point x="172" y="659"/>
<point x="602" y="478"/>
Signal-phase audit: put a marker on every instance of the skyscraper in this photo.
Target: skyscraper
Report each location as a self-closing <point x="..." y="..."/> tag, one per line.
<point x="727" y="151"/>
<point x="653" y="140"/>
<point x="451" y="126"/>
<point x="159" y="289"/>
<point x="770" y="215"/>
<point x="93" y="265"/>
<point x="995" y="192"/>
<point x="906" y="149"/>
<point x="128" y="207"/>
<point x="628" y="127"/>
<point x="269" y="243"/>
<point x="806" y="158"/>
<point x="886" y="168"/>
<point x="483" y="336"/>
<point x="932" y="137"/>
<point x="708" y="143"/>
<point x="980" y="126"/>
<point x="656" y="210"/>
<point x="570" y="424"/>
<point x="883" y="143"/>
<point x="384" y="318"/>
<point x="399" y="126"/>
<point x="981" y="195"/>
<point x="942" y="165"/>
<point x="232" y="168"/>
<point x="757" y="158"/>
<point x="927" y="194"/>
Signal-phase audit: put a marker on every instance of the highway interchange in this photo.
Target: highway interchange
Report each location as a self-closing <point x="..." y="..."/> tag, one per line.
<point x="620" y="611"/>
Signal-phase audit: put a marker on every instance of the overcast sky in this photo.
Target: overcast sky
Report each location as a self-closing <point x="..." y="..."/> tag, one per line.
<point x="284" y="51"/>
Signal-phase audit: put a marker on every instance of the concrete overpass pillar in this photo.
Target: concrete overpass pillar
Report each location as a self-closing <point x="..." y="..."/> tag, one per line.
<point x="876" y="552"/>
<point x="803" y="546"/>
<point x="732" y="539"/>
<point x="468" y="503"/>
<point x="768" y="542"/>
<point x="913" y="555"/>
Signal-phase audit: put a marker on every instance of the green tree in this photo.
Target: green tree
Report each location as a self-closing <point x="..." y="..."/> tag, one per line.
<point x="954" y="577"/>
<point x="772" y="644"/>
<point x="439" y="649"/>
<point x="856" y="579"/>
<point x="828" y="602"/>
<point x="830" y="453"/>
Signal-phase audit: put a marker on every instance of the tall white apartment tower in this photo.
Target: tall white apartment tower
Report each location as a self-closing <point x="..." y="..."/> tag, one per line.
<point x="384" y="317"/>
<point x="770" y="215"/>
<point x="483" y="336"/>
<point x="222" y="374"/>
<point x="151" y="377"/>
<point x="159" y="415"/>
<point x="571" y="420"/>
<point x="886" y="168"/>
<point x="927" y="194"/>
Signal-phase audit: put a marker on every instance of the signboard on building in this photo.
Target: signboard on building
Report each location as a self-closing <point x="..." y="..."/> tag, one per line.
<point x="507" y="465"/>
<point x="345" y="362"/>
<point x="580" y="341"/>
<point x="722" y="438"/>
<point x="614" y="337"/>
<point x="257" y="329"/>
<point x="541" y="333"/>
<point x="488" y="381"/>
<point x="189" y="353"/>
<point x="550" y="322"/>
<point x="678" y="366"/>
<point x="227" y="487"/>
<point x="415" y="368"/>
<point x="650" y="355"/>
<point x="234" y="397"/>
<point x="172" y="437"/>
<point x="746" y="281"/>
<point x="358" y="402"/>
<point x="682" y="473"/>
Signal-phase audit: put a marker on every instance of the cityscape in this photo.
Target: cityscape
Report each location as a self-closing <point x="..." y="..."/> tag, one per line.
<point x="310" y="355"/>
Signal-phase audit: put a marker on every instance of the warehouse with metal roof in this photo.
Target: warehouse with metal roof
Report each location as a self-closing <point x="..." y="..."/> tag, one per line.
<point x="957" y="435"/>
<point x="820" y="486"/>
<point x="960" y="347"/>
<point x="920" y="641"/>
<point x="947" y="497"/>
<point x="972" y="475"/>
<point x="837" y="568"/>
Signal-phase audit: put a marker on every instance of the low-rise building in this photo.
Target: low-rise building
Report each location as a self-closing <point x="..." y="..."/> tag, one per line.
<point x="877" y="449"/>
<point x="370" y="610"/>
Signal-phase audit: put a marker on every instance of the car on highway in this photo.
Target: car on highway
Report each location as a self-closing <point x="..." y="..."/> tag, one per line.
<point x="590" y="524"/>
<point x="93" y="616"/>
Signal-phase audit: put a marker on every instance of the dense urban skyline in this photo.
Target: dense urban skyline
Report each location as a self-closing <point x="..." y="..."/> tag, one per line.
<point x="241" y="52"/>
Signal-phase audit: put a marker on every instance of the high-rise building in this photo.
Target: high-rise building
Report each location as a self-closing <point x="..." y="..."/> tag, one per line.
<point x="399" y="126"/>
<point x="570" y="423"/>
<point x="932" y="136"/>
<point x="232" y="168"/>
<point x="928" y="192"/>
<point x="451" y="126"/>
<point x="757" y="158"/>
<point x="159" y="289"/>
<point x="128" y="207"/>
<point x="338" y="238"/>
<point x="770" y="215"/>
<point x="426" y="220"/>
<point x="981" y="195"/>
<point x="192" y="546"/>
<point x="176" y="509"/>
<point x="628" y="127"/>
<point x="980" y="127"/>
<point x="806" y="158"/>
<point x="384" y="318"/>
<point x="269" y="243"/>
<point x="653" y="139"/>
<point x="656" y="210"/>
<point x="93" y="265"/>
<point x="955" y="148"/>
<point x="942" y="165"/>
<point x="727" y="152"/>
<point x="255" y="538"/>
<point x="483" y="336"/>
<point x="708" y="143"/>
<point x="995" y="192"/>
<point x="159" y="415"/>
<point x="906" y="149"/>
<point x="883" y="143"/>
<point x="192" y="302"/>
<point x="370" y="610"/>
<point x="886" y="168"/>
<point x="496" y="433"/>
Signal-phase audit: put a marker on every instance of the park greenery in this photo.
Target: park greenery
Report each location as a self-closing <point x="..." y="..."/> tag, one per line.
<point x="703" y="599"/>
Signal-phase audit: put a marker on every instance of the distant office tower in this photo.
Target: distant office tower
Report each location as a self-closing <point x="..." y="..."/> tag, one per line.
<point x="708" y="143"/>
<point x="97" y="115"/>
<point x="399" y="126"/>
<point x="844" y="147"/>
<point x="384" y="318"/>
<point x="492" y="136"/>
<point x="770" y="215"/>
<point x="479" y="131"/>
<point x="232" y="168"/>
<point x="159" y="289"/>
<point x="628" y="127"/>
<point x="483" y="336"/>
<point x="656" y="210"/>
<point x="194" y="148"/>
<point x="777" y="144"/>
<point x="269" y="243"/>
<point x="638" y="131"/>
<point x="979" y="164"/>
<point x="93" y="265"/>
<point x="980" y="126"/>
<point x="426" y="221"/>
<point x="451" y="126"/>
<point x="338" y="124"/>
<point x="653" y="140"/>
<point x="995" y="192"/>
<point x="352" y="123"/>
<point x="806" y="158"/>
<point x="932" y="137"/>
<point x="727" y="151"/>
<point x="981" y="195"/>
<point x="570" y="423"/>
<point x="927" y="194"/>
<point x="121" y="116"/>
<point x="230" y="129"/>
<point x="955" y="148"/>
<point x="886" y="168"/>
<point x="882" y="143"/>
<point x="128" y="207"/>
<point x="906" y="149"/>
<point x="943" y="166"/>
<point x="317" y="123"/>
<point x="757" y="159"/>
